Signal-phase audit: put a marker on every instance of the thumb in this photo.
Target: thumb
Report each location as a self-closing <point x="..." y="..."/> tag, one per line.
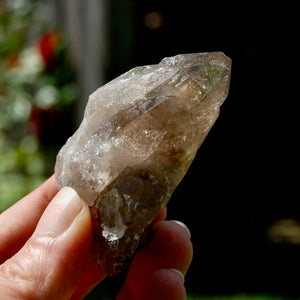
<point x="51" y="262"/>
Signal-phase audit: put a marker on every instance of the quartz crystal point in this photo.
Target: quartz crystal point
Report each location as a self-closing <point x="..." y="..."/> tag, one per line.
<point x="139" y="135"/>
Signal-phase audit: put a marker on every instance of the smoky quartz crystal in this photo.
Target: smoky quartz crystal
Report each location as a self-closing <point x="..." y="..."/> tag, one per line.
<point x="138" y="137"/>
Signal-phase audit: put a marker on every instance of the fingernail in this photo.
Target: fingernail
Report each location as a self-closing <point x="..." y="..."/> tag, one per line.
<point x="178" y="272"/>
<point x="184" y="226"/>
<point x="60" y="213"/>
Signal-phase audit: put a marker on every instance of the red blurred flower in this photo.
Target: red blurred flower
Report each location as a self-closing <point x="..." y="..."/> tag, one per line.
<point x="47" y="45"/>
<point x="43" y="122"/>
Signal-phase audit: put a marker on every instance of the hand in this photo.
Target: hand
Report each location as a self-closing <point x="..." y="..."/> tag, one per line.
<point x="45" y="244"/>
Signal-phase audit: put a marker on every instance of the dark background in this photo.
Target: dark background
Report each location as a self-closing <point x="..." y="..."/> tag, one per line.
<point x="245" y="176"/>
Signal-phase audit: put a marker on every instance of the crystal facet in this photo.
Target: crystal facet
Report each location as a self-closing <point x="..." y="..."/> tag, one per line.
<point x="139" y="135"/>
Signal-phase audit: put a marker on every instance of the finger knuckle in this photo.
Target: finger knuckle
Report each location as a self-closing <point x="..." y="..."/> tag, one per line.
<point x="25" y="275"/>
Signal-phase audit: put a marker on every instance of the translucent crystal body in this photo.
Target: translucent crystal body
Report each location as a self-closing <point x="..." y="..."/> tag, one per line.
<point x="139" y="135"/>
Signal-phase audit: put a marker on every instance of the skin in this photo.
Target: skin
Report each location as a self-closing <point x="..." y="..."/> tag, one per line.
<point x="45" y="246"/>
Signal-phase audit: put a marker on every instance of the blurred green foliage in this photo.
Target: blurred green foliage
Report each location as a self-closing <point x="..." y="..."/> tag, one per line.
<point x="36" y="87"/>
<point x="22" y="168"/>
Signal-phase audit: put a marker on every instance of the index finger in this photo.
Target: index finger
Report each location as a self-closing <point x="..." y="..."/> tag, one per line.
<point x="18" y="222"/>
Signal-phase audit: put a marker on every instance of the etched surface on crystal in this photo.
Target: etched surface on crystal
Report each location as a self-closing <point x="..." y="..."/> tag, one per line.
<point x="139" y="135"/>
